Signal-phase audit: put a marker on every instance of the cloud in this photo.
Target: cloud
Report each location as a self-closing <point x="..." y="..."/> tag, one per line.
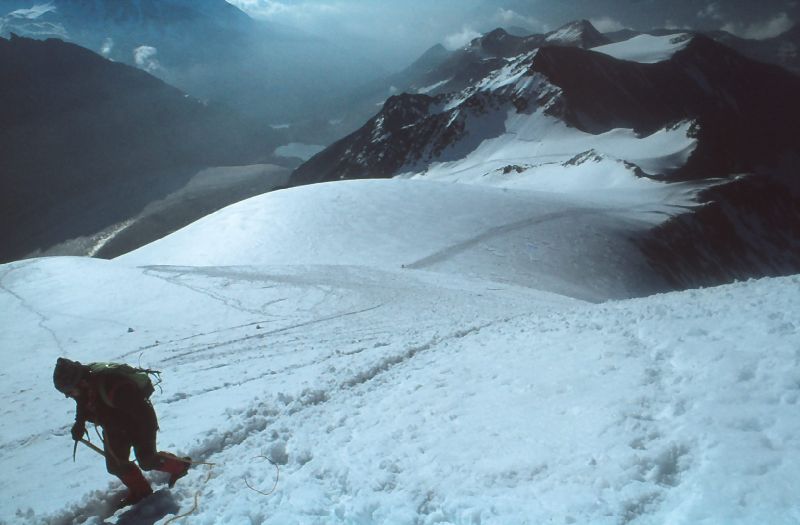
<point x="670" y="24"/>
<point x="145" y="58"/>
<point x="606" y="24"/>
<point x="712" y="11"/>
<point x="772" y="27"/>
<point x="759" y="30"/>
<point x="107" y="47"/>
<point x="461" y="39"/>
<point x="508" y="17"/>
<point x="272" y="9"/>
<point x="34" y="12"/>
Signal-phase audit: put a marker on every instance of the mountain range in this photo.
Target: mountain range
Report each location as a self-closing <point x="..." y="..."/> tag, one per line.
<point x="440" y="70"/>
<point x="683" y="113"/>
<point x="88" y="143"/>
<point x="209" y="49"/>
<point x="691" y="109"/>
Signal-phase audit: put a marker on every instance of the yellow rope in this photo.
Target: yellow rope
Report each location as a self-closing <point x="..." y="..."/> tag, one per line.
<point x="246" y="482"/>
<point x="210" y="465"/>
<point x="277" y="477"/>
<point x="196" y="500"/>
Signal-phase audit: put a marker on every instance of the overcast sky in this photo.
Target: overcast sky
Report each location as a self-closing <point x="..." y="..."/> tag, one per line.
<point x="409" y="27"/>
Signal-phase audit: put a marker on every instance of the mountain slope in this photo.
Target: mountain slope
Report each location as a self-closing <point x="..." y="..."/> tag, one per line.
<point x="399" y="396"/>
<point x="440" y="70"/>
<point x="88" y="142"/>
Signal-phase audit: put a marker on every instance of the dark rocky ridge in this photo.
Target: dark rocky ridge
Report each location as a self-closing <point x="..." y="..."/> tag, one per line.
<point x="440" y="71"/>
<point x="746" y="111"/>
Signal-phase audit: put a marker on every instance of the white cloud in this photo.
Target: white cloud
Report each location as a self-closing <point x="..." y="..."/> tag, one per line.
<point x="671" y="24"/>
<point x="107" y="47"/>
<point x="606" y="24"/>
<point x="145" y="58"/>
<point x="461" y="39"/>
<point x="711" y="11"/>
<point x="509" y="17"/>
<point x="272" y="9"/>
<point x="34" y="12"/>
<point x="772" y="27"/>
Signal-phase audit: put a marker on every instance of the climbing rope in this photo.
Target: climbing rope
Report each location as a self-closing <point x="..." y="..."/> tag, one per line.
<point x="277" y="477"/>
<point x="196" y="499"/>
<point x="208" y="477"/>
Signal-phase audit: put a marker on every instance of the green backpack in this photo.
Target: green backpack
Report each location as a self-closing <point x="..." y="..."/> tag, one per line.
<point x="140" y="376"/>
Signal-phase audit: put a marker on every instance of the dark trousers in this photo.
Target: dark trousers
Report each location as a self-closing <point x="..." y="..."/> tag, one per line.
<point x="142" y="438"/>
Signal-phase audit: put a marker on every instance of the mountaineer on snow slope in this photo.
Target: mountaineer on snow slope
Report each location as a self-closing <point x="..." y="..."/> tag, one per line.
<point x="116" y="398"/>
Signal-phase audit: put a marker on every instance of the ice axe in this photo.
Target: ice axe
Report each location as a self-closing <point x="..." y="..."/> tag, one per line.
<point x="90" y="445"/>
<point x="93" y="447"/>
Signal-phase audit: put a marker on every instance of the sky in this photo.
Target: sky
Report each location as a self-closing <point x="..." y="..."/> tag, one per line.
<point x="411" y="26"/>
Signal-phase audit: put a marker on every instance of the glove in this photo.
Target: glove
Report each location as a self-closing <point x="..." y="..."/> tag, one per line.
<point x="78" y="430"/>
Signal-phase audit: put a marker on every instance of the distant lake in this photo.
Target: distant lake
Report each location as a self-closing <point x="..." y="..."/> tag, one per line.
<point x="298" y="150"/>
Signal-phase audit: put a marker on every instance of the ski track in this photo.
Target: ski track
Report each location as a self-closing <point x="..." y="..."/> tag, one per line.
<point x="352" y="333"/>
<point x="454" y="250"/>
<point x="42" y="320"/>
<point x="175" y="279"/>
<point x="270" y="415"/>
<point x="370" y="349"/>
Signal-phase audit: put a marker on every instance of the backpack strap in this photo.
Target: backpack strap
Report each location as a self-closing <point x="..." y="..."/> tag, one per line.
<point x="102" y="390"/>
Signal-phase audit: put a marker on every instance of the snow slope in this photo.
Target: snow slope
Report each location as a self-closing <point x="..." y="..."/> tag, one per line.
<point x="400" y="396"/>
<point x="568" y="244"/>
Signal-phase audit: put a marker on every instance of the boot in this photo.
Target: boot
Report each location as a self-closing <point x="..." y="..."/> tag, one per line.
<point x="138" y="487"/>
<point x="174" y="466"/>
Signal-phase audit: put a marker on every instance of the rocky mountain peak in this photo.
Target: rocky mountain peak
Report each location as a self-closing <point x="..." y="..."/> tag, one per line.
<point x="579" y="33"/>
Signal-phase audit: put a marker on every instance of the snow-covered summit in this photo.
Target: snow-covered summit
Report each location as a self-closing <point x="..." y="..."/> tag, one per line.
<point x="646" y="49"/>
<point x="580" y="33"/>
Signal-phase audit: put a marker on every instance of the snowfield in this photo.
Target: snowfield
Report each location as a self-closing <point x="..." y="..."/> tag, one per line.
<point x="389" y="390"/>
<point x="646" y="49"/>
<point x="522" y="237"/>
<point x="553" y="157"/>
